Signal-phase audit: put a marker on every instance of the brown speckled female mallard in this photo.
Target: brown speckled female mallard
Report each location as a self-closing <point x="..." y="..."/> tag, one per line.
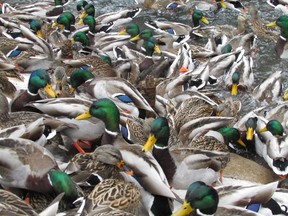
<point x="113" y="194"/>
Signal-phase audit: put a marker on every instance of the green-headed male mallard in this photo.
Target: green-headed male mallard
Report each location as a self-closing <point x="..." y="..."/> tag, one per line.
<point x="125" y="95"/>
<point x="196" y="166"/>
<point x="154" y="181"/>
<point x="197" y="16"/>
<point x="39" y="79"/>
<point x="199" y="196"/>
<point x="22" y="168"/>
<point x="281" y="45"/>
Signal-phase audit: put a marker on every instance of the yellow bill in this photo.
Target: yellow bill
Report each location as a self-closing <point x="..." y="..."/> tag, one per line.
<point x="157" y="49"/>
<point x="149" y="143"/>
<point x="54" y="25"/>
<point x="80" y="22"/>
<point x="272" y="24"/>
<point x="50" y="91"/>
<point x="234" y="89"/>
<point x="122" y="32"/>
<point x="285" y="96"/>
<point x="83" y="14"/>
<point x="223" y="4"/>
<point x="137" y="37"/>
<point x="39" y="34"/>
<point x="241" y="143"/>
<point x="250" y="134"/>
<point x="263" y="130"/>
<point x="185" y="209"/>
<point x="204" y="20"/>
<point x="84" y="115"/>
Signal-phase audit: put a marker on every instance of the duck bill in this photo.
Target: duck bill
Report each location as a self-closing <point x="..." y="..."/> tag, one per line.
<point x="72" y="40"/>
<point x="272" y="24"/>
<point x="185" y="209"/>
<point x="240" y="142"/>
<point x="285" y="96"/>
<point x="84" y="14"/>
<point x="122" y="32"/>
<point x="223" y="4"/>
<point x="234" y="89"/>
<point x="149" y="143"/>
<point x="39" y="34"/>
<point x="61" y="26"/>
<point x="54" y="25"/>
<point x="50" y="91"/>
<point x="157" y="49"/>
<point x="263" y="130"/>
<point x="204" y="20"/>
<point x="136" y="38"/>
<point x="85" y="115"/>
<point x="250" y="134"/>
<point x="80" y="22"/>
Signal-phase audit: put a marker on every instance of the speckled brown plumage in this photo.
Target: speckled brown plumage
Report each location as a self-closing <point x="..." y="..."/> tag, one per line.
<point x="116" y="194"/>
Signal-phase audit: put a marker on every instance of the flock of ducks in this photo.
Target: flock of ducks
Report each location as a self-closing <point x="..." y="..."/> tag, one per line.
<point x="117" y="118"/>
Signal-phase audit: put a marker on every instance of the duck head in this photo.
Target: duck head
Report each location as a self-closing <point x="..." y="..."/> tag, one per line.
<point x="197" y="16"/>
<point x="107" y="111"/>
<point x="159" y="134"/>
<point x="275" y="127"/>
<point x="80" y="76"/>
<point x="61" y="182"/>
<point x="40" y="79"/>
<point x="199" y="196"/>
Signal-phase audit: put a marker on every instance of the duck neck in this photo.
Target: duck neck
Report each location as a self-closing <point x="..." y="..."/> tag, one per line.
<point x="165" y="160"/>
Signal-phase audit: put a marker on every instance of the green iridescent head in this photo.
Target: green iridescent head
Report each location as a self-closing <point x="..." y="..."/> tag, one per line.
<point x="226" y="49"/>
<point x="40" y="79"/>
<point x="80" y="76"/>
<point x="81" y="4"/>
<point x="231" y="135"/>
<point x="90" y="21"/>
<point x="107" y="111"/>
<point x="82" y="38"/>
<point x="132" y="29"/>
<point x="159" y="134"/>
<point x="89" y="9"/>
<point x="275" y="127"/>
<point x="199" y="196"/>
<point x="197" y="16"/>
<point x="145" y="35"/>
<point x="65" y="20"/>
<point x="150" y="46"/>
<point x="62" y="182"/>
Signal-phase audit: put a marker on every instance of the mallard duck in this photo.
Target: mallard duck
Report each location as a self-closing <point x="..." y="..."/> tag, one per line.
<point x="104" y="162"/>
<point x="59" y="82"/>
<point x="35" y="173"/>
<point x="281" y="42"/>
<point x="272" y="145"/>
<point x="197" y="16"/>
<point x="95" y="64"/>
<point x="225" y="199"/>
<point x="258" y="25"/>
<point x="242" y="80"/>
<point x="161" y="5"/>
<point x="126" y="96"/>
<point x="169" y="27"/>
<point x="208" y="5"/>
<point x="66" y="21"/>
<point x="6" y="87"/>
<point x="113" y="194"/>
<point x="132" y="155"/>
<point x="195" y="198"/>
<point x="117" y="17"/>
<point x="57" y="107"/>
<point x="270" y="89"/>
<point x="175" y="166"/>
<point x="38" y="79"/>
<point x="12" y="203"/>
<point x="44" y="9"/>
